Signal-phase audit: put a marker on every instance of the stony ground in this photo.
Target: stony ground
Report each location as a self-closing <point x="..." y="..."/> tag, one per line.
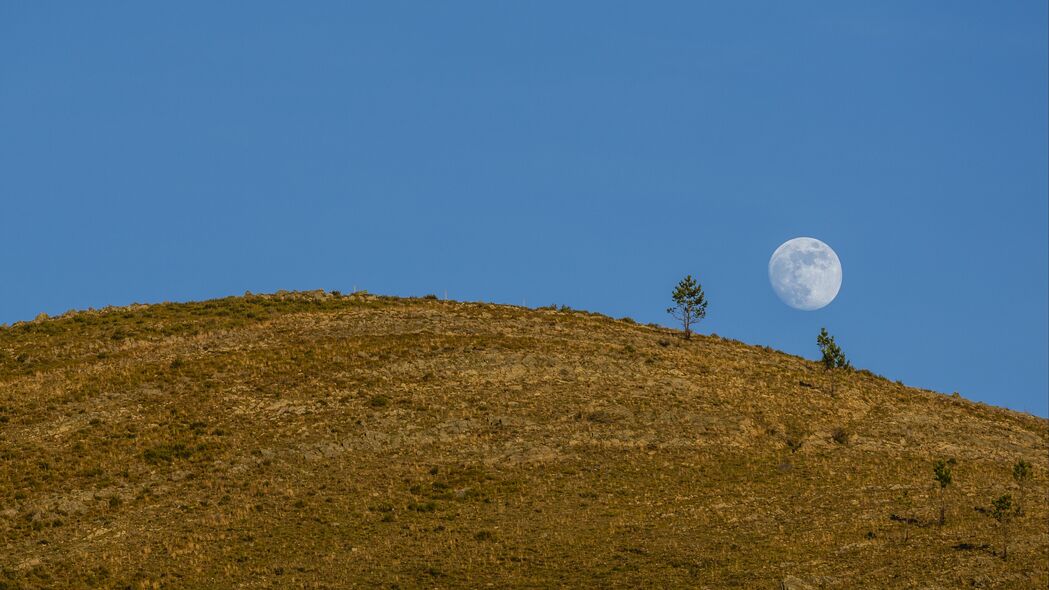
<point x="312" y="440"/>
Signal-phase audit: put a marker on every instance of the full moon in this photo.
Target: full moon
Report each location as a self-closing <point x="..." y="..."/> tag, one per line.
<point x="805" y="273"/>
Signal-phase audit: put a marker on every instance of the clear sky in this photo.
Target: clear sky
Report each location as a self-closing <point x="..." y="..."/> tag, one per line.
<point x="586" y="154"/>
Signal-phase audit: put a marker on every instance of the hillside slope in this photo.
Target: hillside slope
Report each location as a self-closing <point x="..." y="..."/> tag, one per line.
<point x="309" y="440"/>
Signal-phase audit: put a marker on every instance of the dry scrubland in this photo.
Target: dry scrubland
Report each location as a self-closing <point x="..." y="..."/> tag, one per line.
<point x="309" y="440"/>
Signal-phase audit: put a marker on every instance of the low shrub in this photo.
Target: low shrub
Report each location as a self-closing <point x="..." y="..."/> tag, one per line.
<point x="166" y="453"/>
<point x="841" y="436"/>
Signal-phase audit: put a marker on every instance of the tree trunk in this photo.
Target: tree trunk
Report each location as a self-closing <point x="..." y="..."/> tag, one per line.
<point x="1005" y="541"/>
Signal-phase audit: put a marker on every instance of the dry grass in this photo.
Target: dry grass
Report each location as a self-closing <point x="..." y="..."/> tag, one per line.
<point x="305" y="440"/>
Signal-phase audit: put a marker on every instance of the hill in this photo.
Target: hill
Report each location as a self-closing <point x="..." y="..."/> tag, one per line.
<point x="318" y="440"/>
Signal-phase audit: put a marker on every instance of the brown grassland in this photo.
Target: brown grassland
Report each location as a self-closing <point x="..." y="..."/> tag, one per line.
<point x="318" y="440"/>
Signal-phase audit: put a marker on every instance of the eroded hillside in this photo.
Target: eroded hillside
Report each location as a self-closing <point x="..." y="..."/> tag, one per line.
<point x="318" y="441"/>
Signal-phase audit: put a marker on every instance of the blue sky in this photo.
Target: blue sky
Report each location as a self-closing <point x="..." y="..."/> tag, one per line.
<point x="587" y="154"/>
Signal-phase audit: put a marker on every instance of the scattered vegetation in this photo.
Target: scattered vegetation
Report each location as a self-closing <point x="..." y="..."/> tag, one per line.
<point x="313" y="439"/>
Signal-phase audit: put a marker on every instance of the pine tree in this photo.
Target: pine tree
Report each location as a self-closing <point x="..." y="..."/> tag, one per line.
<point x="944" y="475"/>
<point x="690" y="304"/>
<point x="833" y="357"/>
<point x="1022" y="474"/>
<point x="1002" y="511"/>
